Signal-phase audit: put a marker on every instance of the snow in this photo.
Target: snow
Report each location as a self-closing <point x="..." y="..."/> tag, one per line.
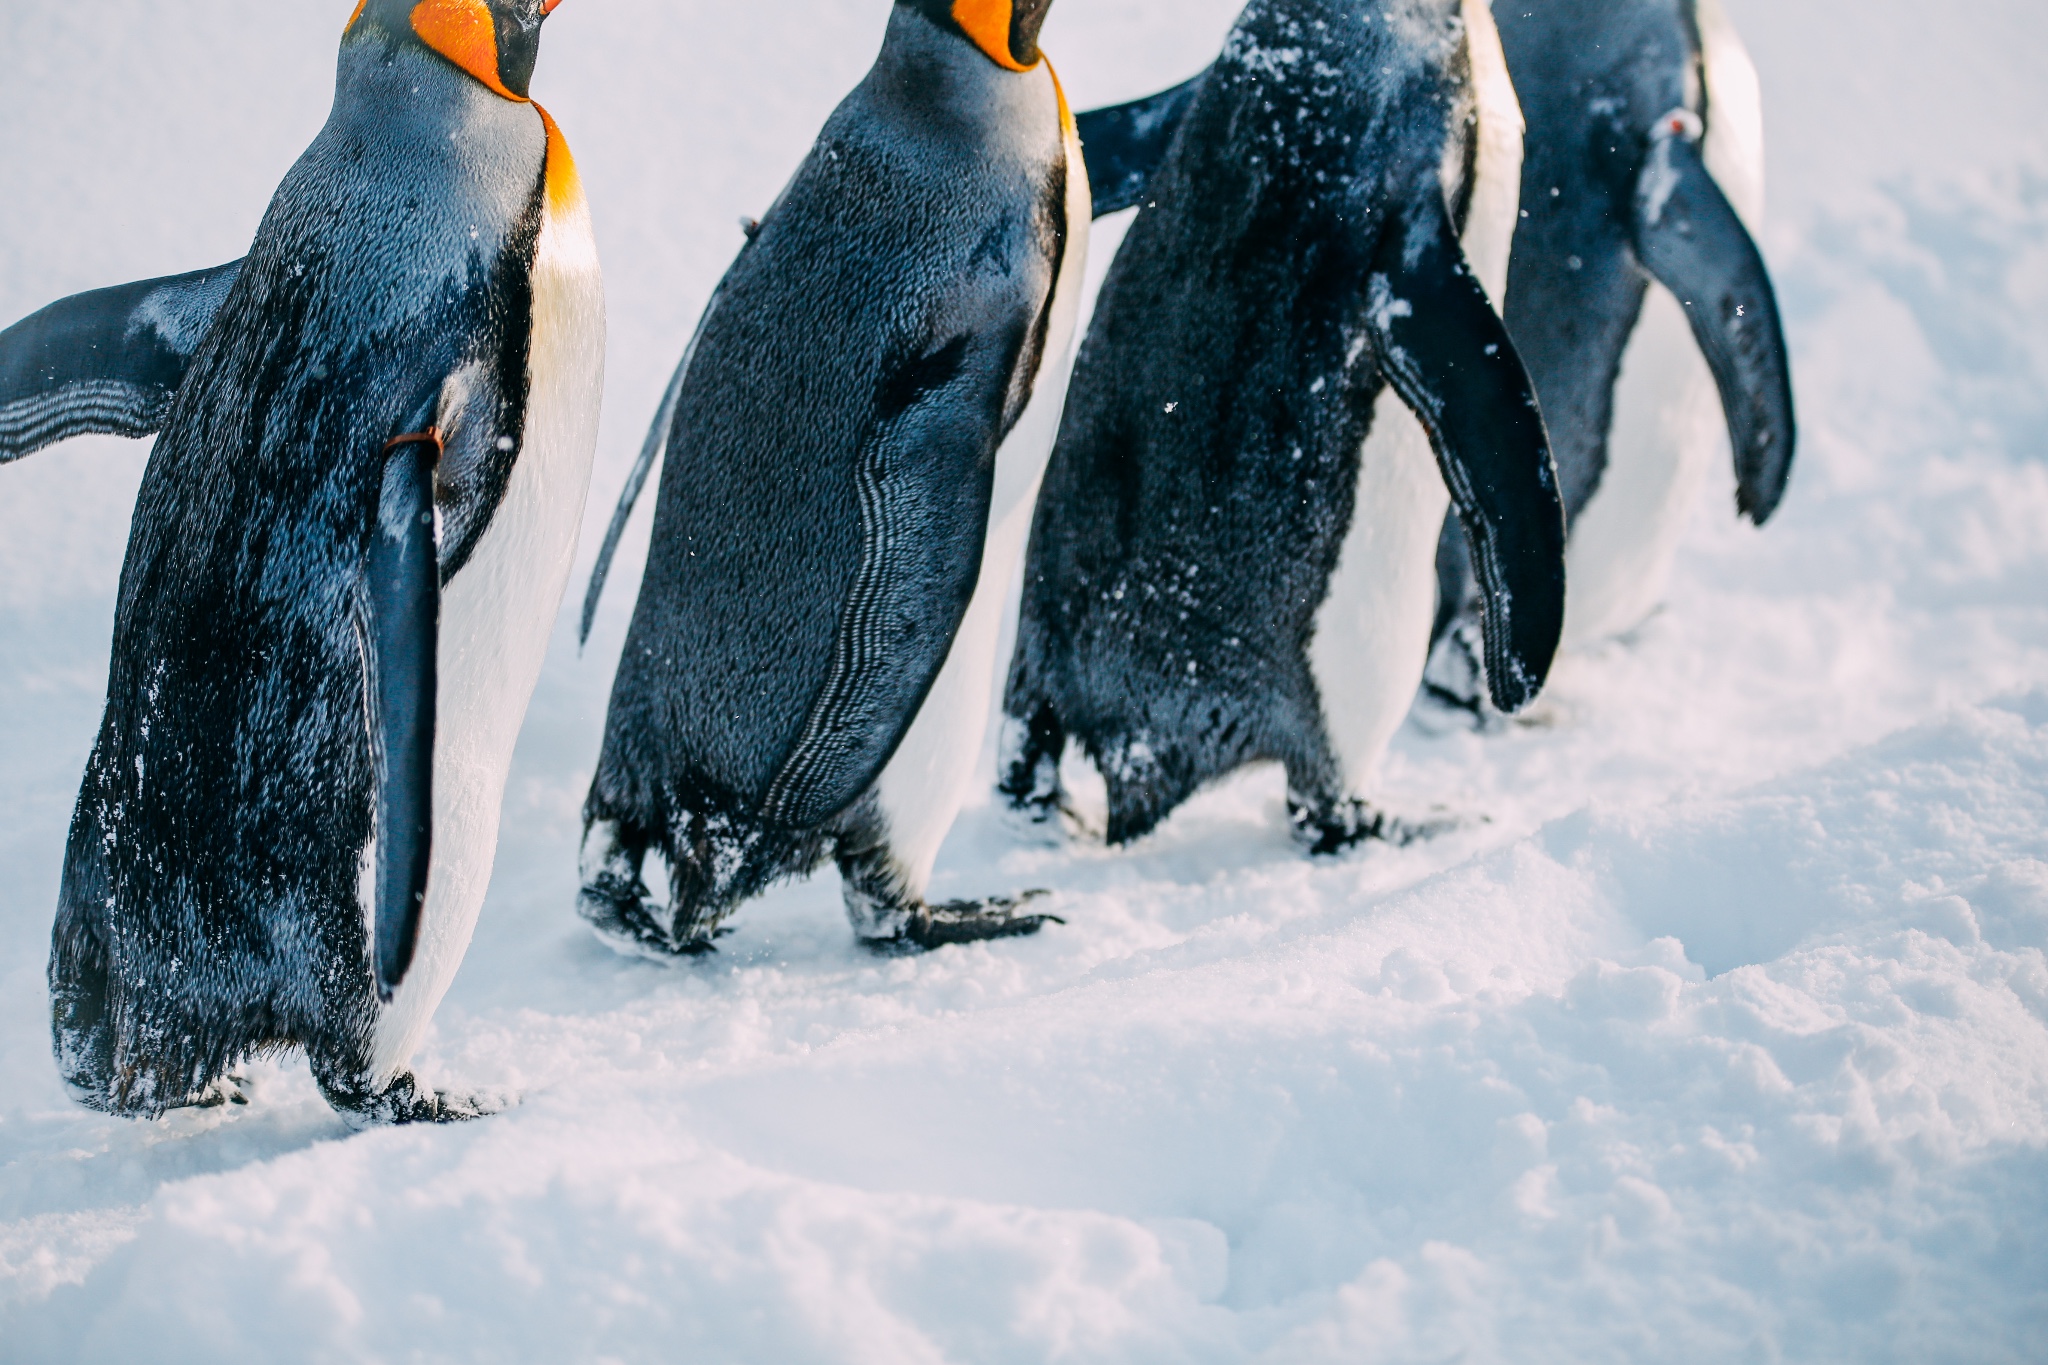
<point x="1718" y="1030"/>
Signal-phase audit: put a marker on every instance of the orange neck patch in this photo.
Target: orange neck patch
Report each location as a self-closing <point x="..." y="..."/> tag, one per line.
<point x="1067" y="128"/>
<point x="987" y="22"/>
<point x="464" y="32"/>
<point x="565" y="184"/>
<point x="360" y="6"/>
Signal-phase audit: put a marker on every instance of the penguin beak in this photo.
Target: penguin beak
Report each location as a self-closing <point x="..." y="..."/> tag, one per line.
<point x="547" y="7"/>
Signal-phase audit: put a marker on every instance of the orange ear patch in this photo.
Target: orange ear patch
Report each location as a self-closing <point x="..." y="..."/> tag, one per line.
<point x="463" y="32"/>
<point x="987" y="22"/>
<point x="360" y="6"/>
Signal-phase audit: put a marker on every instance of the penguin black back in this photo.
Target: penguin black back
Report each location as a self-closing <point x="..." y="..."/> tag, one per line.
<point x="1298" y="253"/>
<point x="831" y="451"/>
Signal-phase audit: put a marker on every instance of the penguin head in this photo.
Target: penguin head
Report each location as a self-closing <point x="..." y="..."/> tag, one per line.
<point x="495" y="41"/>
<point x="1006" y="31"/>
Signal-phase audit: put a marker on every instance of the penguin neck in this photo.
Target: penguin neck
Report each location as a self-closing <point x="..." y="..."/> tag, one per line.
<point x="933" y="74"/>
<point x="381" y="87"/>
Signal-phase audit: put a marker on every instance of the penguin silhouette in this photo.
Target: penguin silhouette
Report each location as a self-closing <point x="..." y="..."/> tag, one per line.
<point x="1633" y="262"/>
<point x="1295" y="365"/>
<point x="375" y="435"/>
<point x="853" y="443"/>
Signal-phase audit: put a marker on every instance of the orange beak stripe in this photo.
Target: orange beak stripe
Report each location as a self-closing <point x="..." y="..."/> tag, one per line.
<point x="987" y="22"/>
<point x="548" y="7"/>
<point x="464" y="32"/>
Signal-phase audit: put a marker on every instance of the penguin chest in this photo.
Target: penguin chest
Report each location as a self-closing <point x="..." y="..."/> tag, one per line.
<point x="498" y="613"/>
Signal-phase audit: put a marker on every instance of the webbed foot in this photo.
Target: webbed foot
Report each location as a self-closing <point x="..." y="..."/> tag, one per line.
<point x="627" y="921"/>
<point x="1326" y="831"/>
<point x="1454" y="682"/>
<point x="618" y="905"/>
<point x="923" y="927"/>
<point x="404" y="1101"/>
<point x="226" y="1090"/>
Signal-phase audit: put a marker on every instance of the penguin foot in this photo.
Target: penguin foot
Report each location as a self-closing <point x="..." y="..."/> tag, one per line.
<point x="1050" y="824"/>
<point x="403" y="1101"/>
<point x="627" y="921"/>
<point x="220" y="1093"/>
<point x="925" y="927"/>
<point x="1454" y="682"/>
<point x="1030" y="794"/>
<point x="1326" y="832"/>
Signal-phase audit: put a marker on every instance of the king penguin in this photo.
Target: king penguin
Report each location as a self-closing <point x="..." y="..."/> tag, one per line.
<point x="853" y="443"/>
<point x="1632" y="265"/>
<point x="1294" y="366"/>
<point x="347" y="554"/>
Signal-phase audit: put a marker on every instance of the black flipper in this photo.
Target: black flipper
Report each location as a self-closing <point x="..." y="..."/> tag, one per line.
<point x="1124" y="143"/>
<point x="1448" y="356"/>
<point x="108" y="361"/>
<point x="404" y="633"/>
<point x="921" y="542"/>
<point x="1688" y="235"/>
<point x="636" y="481"/>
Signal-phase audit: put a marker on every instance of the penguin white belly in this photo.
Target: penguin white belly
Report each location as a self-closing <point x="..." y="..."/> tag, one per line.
<point x="1663" y="436"/>
<point x="925" y="783"/>
<point x="1372" y="631"/>
<point x="1668" y="423"/>
<point x="498" y="614"/>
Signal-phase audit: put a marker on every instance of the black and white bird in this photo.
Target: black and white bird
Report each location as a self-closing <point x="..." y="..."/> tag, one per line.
<point x="853" y="444"/>
<point x="1633" y="264"/>
<point x="348" y="551"/>
<point x="1295" y="365"/>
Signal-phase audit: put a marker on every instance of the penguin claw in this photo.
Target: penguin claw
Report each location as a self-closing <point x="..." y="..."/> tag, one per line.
<point x="219" y="1093"/>
<point x="404" y="1102"/>
<point x="977" y="921"/>
<point x="1052" y="824"/>
<point x="626" y="924"/>
<point x="1329" y="833"/>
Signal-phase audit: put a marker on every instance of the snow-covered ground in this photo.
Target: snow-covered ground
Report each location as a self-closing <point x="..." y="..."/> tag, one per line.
<point x="1719" y="1032"/>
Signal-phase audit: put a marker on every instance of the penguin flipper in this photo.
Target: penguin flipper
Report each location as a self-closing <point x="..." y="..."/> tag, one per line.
<point x="404" y="576"/>
<point x="923" y="489"/>
<point x="1123" y="144"/>
<point x="1689" y="236"/>
<point x="107" y="361"/>
<point x="1448" y="355"/>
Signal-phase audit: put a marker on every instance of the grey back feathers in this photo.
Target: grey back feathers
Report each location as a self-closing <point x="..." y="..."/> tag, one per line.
<point x="829" y="459"/>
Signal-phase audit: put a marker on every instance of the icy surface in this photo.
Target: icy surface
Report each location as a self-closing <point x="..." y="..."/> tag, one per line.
<point x="1718" y="1033"/>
